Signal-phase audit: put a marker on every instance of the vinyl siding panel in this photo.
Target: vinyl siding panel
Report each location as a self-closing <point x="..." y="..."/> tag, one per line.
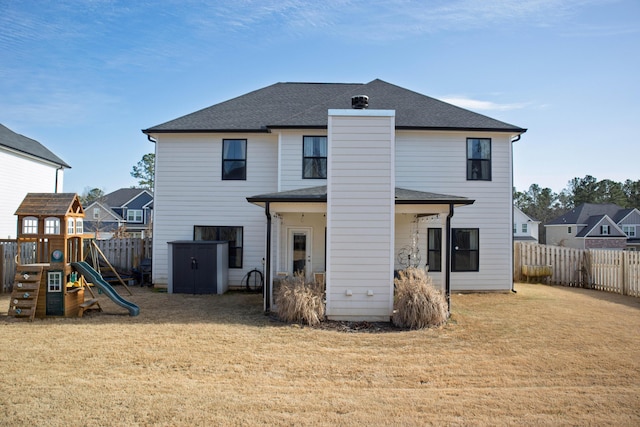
<point x="436" y="162"/>
<point x="357" y="209"/>
<point x="189" y="191"/>
<point x="21" y="175"/>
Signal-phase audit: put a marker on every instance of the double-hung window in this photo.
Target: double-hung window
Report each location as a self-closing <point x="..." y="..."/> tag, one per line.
<point x="234" y="159"/>
<point x="478" y="159"/>
<point x="434" y="249"/>
<point x="465" y="243"/>
<point x="134" y="215"/>
<point x="629" y="230"/>
<point x="233" y="235"/>
<point x="525" y="229"/>
<point x="604" y="230"/>
<point x="314" y="157"/>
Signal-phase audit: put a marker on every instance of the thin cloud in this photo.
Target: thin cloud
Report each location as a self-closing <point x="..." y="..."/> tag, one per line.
<point x="480" y="105"/>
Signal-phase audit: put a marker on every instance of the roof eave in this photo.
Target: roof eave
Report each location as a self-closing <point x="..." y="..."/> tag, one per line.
<point x="155" y="131"/>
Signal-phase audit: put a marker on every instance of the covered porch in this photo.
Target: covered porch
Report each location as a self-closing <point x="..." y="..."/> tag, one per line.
<point x="297" y="237"/>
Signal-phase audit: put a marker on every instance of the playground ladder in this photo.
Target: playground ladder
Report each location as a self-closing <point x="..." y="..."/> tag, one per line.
<point x="24" y="297"/>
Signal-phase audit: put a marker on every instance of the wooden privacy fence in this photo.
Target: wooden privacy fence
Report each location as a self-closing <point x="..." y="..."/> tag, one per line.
<point x="123" y="254"/>
<point x="605" y="270"/>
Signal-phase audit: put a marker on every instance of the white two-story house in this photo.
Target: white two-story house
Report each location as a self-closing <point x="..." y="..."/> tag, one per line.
<point x="354" y="181"/>
<point x="26" y="166"/>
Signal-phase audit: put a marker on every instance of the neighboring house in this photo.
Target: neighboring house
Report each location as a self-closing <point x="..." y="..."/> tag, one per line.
<point x="127" y="211"/>
<point x="596" y="226"/>
<point x="524" y="227"/>
<point x="355" y="181"/>
<point x="26" y="166"/>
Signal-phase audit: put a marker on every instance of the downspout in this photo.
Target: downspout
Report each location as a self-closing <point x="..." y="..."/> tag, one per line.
<point x="267" y="265"/>
<point x="447" y="274"/>
<point x="513" y="284"/>
<point x="55" y="188"/>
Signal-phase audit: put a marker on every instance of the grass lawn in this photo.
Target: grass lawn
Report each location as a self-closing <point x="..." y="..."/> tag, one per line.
<point x="544" y="356"/>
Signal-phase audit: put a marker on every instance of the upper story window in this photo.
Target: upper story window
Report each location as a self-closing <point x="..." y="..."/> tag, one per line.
<point x="234" y="159"/>
<point x="79" y="226"/>
<point x="604" y="230"/>
<point x="524" y="228"/>
<point x="568" y="230"/>
<point x="479" y="159"/>
<point x="314" y="157"/>
<point x="71" y="226"/>
<point x="30" y="225"/>
<point x="465" y="243"/>
<point x="629" y="230"/>
<point x="52" y="225"/>
<point x="134" y="215"/>
<point x="96" y="213"/>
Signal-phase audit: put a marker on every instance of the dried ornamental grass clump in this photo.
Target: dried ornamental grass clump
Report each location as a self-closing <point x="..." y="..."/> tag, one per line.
<point x="418" y="304"/>
<point x="300" y="301"/>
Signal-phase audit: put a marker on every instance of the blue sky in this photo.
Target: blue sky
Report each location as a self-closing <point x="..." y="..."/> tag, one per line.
<point x="84" y="77"/>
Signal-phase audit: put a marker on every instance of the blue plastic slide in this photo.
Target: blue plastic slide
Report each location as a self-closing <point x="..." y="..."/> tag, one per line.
<point x="95" y="278"/>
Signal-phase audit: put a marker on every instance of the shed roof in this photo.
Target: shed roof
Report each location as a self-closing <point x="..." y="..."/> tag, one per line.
<point x="17" y="142"/>
<point x="55" y="204"/>
<point x="305" y="105"/>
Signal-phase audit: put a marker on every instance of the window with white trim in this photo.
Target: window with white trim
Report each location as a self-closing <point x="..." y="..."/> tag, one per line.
<point x="525" y="229"/>
<point x="604" y="230"/>
<point x="629" y="230"/>
<point x="30" y="225"/>
<point x="52" y="225"/>
<point x="96" y="213"/>
<point x="54" y="281"/>
<point x="79" y="226"/>
<point x="71" y="226"/>
<point x="134" y="215"/>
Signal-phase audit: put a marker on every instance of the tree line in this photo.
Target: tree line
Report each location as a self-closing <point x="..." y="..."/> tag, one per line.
<point x="542" y="204"/>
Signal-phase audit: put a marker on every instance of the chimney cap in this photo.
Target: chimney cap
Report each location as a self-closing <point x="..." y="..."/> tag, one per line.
<point x="360" y="102"/>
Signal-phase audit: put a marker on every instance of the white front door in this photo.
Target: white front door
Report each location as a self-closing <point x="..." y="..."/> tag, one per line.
<point x="300" y="251"/>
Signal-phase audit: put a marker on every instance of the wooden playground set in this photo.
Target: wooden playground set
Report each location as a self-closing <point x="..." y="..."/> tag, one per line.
<point x="52" y="275"/>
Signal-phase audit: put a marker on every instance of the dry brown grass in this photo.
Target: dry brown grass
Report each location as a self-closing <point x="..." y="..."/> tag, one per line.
<point x="417" y="303"/>
<point x="543" y="356"/>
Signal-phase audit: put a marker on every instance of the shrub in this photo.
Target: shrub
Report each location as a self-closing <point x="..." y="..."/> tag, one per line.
<point x="417" y="303"/>
<point x="300" y="301"/>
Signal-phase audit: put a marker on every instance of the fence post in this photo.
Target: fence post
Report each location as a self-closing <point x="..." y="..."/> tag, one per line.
<point x="2" y="268"/>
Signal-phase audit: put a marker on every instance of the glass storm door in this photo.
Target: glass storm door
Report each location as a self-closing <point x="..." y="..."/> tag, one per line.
<point x="300" y="252"/>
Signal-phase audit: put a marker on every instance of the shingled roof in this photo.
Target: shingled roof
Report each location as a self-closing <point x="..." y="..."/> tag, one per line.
<point x="55" y="204"/>
<point x="305" y="105"/>
<point x="581" y="213"/>
<point x="319" y="194"/>
<point x="17" y="142"/>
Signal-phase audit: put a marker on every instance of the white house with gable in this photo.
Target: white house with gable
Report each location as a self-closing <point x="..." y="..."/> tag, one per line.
<point x="350" y="182"/>
<point x="27" y="166"/>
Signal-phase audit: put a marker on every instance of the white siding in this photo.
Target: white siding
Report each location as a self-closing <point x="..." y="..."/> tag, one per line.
<point x="436" y="162"/>
<point x="360" y="204"/>
<point x="189" y="191"/>
<point x="20" y="175"/>
<point x="291" y="160"/>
